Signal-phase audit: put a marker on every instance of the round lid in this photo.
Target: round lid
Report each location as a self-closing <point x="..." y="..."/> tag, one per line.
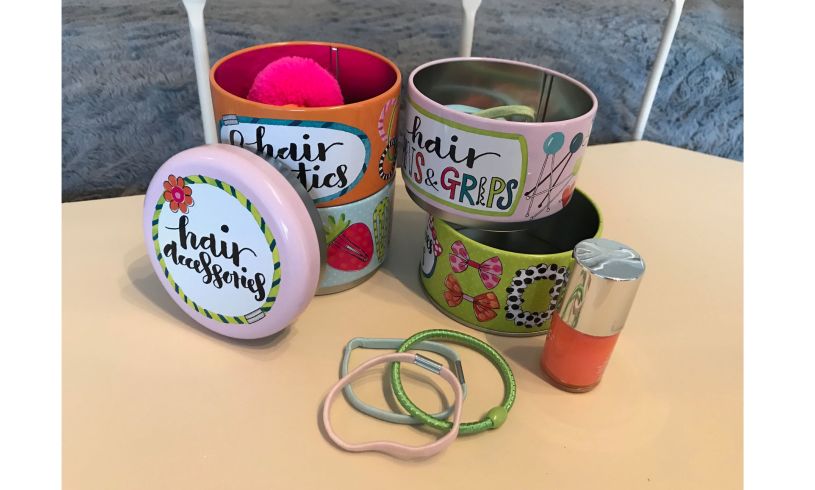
<point x="233" y="240"/>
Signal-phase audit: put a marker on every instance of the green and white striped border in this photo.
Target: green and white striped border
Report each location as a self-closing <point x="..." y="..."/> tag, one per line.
<point x="273" y="290"/>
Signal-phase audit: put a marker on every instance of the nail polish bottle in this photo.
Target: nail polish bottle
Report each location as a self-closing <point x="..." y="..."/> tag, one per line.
<point x="602" y="284"/>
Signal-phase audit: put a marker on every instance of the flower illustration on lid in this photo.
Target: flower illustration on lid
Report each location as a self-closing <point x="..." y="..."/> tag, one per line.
<point x="178" y="194"/>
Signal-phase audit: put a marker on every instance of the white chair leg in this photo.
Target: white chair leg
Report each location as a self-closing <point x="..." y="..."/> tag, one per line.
<point x="200" y="53"/>
<point x="659" y="65"/>
<point x="468" y="25"/>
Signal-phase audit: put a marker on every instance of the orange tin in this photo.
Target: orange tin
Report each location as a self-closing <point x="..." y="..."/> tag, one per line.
<point x="340" y="154"/>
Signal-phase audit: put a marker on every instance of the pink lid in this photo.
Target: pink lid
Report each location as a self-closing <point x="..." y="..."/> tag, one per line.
<point x="232" y="241"/>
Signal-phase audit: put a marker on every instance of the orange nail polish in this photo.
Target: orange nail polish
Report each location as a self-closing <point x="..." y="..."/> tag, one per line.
<point x="603" y="282"/>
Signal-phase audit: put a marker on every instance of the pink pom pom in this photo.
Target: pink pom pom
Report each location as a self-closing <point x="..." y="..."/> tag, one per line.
<point x="298" y="81"/>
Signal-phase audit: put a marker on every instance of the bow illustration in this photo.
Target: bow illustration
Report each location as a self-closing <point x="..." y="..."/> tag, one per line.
<point x="484" y="304"/>
<point x="490" y="270"/>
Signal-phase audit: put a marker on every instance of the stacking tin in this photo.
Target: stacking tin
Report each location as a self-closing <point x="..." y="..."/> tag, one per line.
<point x="506" y="283"/>
<point x="343" y="156"/>
<point x="490" y="173"/>
<point x="340" y="154"/>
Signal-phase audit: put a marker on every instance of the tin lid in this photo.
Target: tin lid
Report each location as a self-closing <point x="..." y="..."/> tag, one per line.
<point x="233" y="240"/>
<point x="603" y="282"/>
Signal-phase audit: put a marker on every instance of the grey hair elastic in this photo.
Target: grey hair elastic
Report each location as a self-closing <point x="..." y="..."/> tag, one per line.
<point x="392" y="344"/>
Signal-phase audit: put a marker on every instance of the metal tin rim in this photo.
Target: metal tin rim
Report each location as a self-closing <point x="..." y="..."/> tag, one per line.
<point x="527" y="224"/>
<point x="477" y="121"/>
<point x="305" y="110"/>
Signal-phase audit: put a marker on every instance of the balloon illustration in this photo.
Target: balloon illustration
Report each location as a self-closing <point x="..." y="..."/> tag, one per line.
<point x="548" y="185"/>
<point x="576" y="142"/>
<point x="554" y="142"/>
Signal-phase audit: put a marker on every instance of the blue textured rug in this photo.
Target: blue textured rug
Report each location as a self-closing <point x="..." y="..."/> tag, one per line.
<point x="130" y="102"/>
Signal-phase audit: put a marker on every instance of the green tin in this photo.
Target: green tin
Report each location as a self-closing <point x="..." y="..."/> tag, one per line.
<point x="506" y="283"/>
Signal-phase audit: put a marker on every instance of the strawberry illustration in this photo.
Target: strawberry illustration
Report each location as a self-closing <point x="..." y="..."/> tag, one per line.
<point x="350" y="247"/>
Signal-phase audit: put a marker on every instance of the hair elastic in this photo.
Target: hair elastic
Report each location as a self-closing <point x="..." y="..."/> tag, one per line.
<point x="388" y="447"/>
<point x="397" y="418"/>
<point x="494" y="418"/>
<point x="498" y="112"/>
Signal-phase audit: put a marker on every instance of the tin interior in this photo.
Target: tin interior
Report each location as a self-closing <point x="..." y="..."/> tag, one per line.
<point x="558" y="233"/>
<point x="361" y="74"/>
<point x="487" y="83"/>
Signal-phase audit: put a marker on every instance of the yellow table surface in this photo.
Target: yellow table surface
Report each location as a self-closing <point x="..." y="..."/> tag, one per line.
<point x="153" y="401"/>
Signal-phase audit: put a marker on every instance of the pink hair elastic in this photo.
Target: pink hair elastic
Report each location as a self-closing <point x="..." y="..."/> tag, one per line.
<point x="388" y="447"/>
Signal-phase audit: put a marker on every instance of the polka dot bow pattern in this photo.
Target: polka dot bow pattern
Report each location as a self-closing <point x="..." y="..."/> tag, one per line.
<point x="489" y="271"/>
<point x="484" y="304"/>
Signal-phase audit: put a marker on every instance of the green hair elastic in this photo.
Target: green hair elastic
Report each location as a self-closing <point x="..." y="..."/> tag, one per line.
<point x="494" y="418"/>
<point x="525" y="113"/>
<point x="392" y="344"/>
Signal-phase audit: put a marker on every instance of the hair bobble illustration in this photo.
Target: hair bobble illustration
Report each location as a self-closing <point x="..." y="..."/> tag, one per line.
<point x="484" y="304"/>
<point x="489" y="271"/>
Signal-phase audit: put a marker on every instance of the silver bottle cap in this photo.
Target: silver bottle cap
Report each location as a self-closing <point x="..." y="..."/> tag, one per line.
<point x="603" y="281"/>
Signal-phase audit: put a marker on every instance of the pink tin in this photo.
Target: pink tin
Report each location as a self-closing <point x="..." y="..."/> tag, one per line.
<point x="492" y="173"/>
